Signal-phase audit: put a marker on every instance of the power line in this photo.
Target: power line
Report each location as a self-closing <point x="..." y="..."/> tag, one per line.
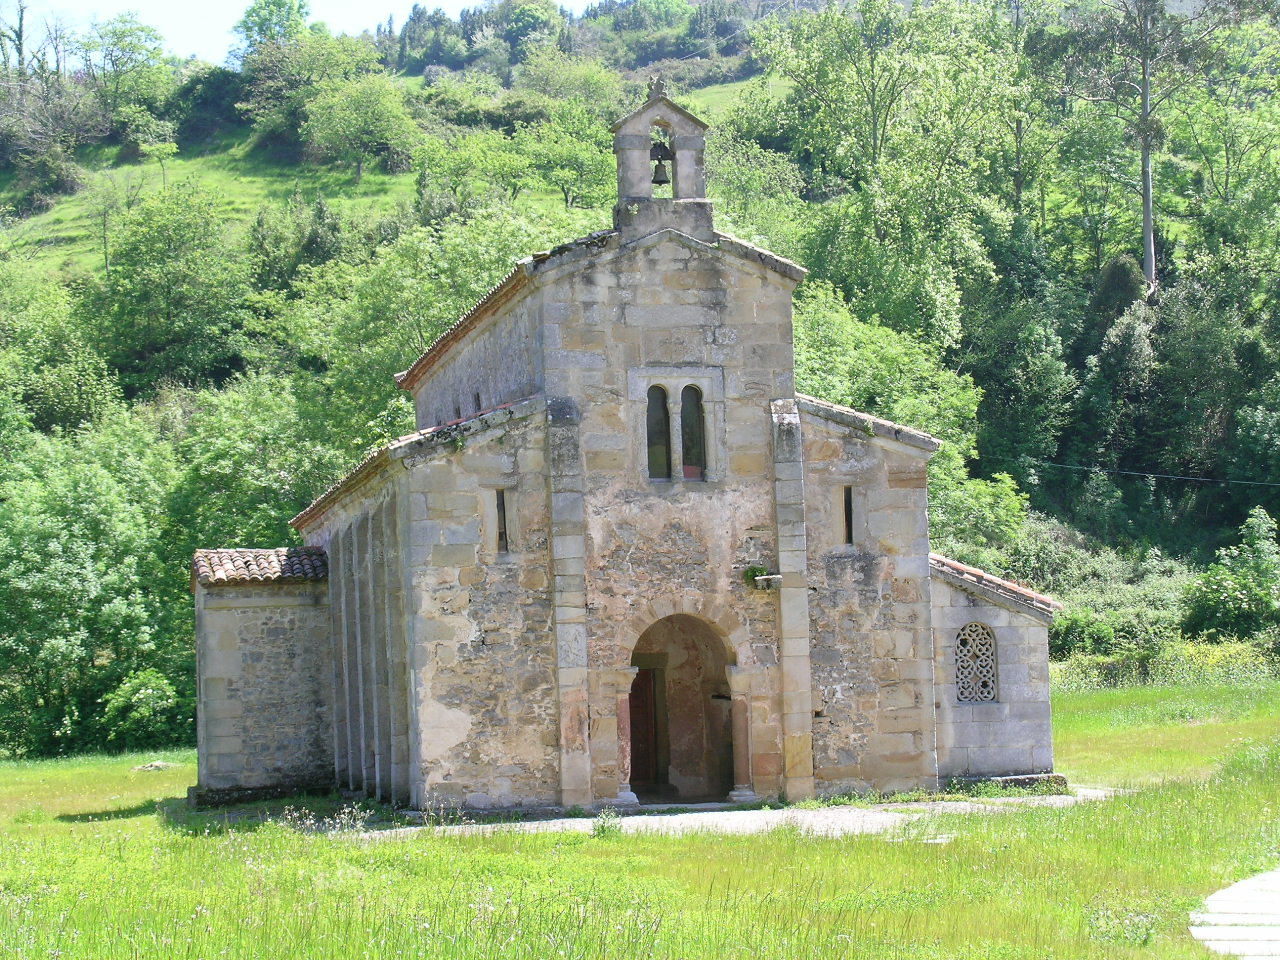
<point x="707" y="49"/>
<point x="1132" y="473"/>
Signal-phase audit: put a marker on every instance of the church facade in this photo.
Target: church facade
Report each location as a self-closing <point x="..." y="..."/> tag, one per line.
<point x="620" y="559"/>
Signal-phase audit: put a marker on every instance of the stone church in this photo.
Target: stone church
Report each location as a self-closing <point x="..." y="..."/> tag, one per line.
<point x="620" y="560"/>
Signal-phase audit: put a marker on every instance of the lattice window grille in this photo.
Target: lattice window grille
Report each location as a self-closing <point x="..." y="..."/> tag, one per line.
<point x="975" y="664"/>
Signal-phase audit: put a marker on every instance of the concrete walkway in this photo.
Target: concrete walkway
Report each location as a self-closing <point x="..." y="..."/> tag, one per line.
<point x="1244" y="919"/>
<point x="835" y="821"/>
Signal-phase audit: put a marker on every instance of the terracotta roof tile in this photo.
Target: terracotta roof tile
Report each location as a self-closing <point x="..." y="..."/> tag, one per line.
<point x="963" y="574"/>
<point x="240" y="566"/>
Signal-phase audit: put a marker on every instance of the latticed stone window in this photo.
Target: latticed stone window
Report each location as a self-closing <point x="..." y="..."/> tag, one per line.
<point x="975" y="664"/>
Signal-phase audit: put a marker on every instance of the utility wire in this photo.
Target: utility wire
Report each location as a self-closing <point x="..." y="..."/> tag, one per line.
<point x="1131" y="473"/>
<point x="719" y="40"/>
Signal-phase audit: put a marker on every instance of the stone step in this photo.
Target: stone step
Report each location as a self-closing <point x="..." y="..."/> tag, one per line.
<point x="1247" y="918"/>
<point x="1245" y="948"/>
<point x="1269" y="934"/>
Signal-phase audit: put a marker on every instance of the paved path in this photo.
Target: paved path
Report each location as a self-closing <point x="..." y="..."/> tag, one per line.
<point x="1242" y="920"/>
<point x="713" y="818"/>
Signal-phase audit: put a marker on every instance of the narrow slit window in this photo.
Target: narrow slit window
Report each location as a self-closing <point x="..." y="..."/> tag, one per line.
<point x="693" y="434"/>
<point x="504" y="543"/>
<point x="457" y="411"/>
<point x="477" y="401"/>
<point x="848" y="514"/>
<point x="658" y="428"/>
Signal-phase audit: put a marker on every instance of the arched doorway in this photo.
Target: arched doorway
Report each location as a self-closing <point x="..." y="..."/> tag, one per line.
<point x="680" y="712"/>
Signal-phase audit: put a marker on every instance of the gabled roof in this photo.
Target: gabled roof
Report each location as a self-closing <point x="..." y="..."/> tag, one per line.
<point x="661" y="101"/>
<point x="244" y="565"/>
<point x="501" y="293"/>
<point x="873" y="426"/>
<point x="566" y="253"/>
<point x="1002" y="592"/>
<point x="419" y="441"/>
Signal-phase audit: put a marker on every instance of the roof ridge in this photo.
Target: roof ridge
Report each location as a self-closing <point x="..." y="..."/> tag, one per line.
<point x="383" y="453"/>
<point x="977" y="577"/>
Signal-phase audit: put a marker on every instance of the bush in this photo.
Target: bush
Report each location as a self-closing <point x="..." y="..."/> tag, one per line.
<point x="1239" y="595"/>
<point x="145" y="712"/>
<point x="45" y="177"/>
<point x="1177" y="664"/>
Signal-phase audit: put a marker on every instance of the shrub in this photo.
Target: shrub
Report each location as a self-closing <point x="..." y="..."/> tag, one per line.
<point x="145" y="712"/>
<point x="1177" y="664"/>
<point x="1238" y="596"/>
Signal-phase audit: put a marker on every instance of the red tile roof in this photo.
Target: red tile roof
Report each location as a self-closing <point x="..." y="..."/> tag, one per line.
<point x="971" y="576"/>
<point x="241" y="566"/>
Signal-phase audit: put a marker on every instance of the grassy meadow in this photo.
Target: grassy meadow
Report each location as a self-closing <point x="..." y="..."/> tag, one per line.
<point x="100" y="861"/>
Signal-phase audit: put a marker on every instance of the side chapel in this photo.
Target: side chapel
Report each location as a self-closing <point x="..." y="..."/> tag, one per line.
<point x="621" y="559"/>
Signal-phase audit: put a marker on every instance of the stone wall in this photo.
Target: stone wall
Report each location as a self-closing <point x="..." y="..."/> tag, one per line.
<point x="871" y="649"/>
<point x="264" y="696"/>
<point x="371" y="731"/>
<point x="482" y="654"/>
<point x="628" y="550"/>
<point x="497" y="362"/>
<point x="1012" y="735"/>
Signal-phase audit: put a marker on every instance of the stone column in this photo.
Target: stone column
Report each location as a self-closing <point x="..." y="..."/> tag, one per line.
<point x="626" y="797"/>
<point x="740" y="716"/>
<point x="568" y="563"/>
<point x="793" y="603"/>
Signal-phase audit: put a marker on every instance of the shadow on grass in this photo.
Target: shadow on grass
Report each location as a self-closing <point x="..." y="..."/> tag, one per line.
<point x="120" y="813"/>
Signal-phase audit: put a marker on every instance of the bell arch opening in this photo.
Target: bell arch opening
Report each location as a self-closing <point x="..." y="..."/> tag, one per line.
<point x="681" y="712"/>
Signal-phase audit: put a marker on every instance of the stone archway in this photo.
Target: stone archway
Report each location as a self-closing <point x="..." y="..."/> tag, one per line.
<point x="683" y="716"/>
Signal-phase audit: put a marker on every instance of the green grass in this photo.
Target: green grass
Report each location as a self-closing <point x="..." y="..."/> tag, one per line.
<point x="101" y="872"/>
<point x="63" y="238"/>
<point x="1137" y="736"/>
<point x="710" y="102"/>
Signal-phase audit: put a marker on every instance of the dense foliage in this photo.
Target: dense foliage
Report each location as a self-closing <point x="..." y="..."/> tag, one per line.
<point x="1080" y="300"/>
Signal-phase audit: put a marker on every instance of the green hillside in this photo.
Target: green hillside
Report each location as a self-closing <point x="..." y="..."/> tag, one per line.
<point x="208" y="277"/>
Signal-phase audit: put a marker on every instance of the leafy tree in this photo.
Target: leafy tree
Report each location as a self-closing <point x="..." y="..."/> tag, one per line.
<point x="571" y="152"/>
<point x="872" y="368"/>
<point x="561" y="77"/>
<point x="59" y="380"/>
<point x="358" y="120"/>
<point x="271" y="21"/>
<point x="364" y="323"/>
<point x="173" y="306"/>
<point x="79" y="604"/>
<point x="125" y="66"/>
<point x="1238" y="596"/>
<point x="1132" y="57"/>
<point x="285" y="76"/>
<point x="253" y="454"/>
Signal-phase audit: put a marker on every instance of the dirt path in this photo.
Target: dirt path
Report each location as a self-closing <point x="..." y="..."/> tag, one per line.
<point x="824" y="821"/>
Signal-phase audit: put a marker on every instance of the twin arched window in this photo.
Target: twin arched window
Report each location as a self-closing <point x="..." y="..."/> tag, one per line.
<point x="693" y="434"/>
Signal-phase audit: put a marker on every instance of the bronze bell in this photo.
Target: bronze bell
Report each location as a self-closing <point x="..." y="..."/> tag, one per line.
<point x="662" y="154"/>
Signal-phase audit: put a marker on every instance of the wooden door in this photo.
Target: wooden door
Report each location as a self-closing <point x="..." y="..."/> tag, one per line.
<point x="644" y="727"/>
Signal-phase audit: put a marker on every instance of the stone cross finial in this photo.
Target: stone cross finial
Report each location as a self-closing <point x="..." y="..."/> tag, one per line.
<point x="657" y="87"/>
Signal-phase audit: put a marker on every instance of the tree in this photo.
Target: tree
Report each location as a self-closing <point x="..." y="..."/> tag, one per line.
<point x="1131" y="58"/>
<point x="571" y="151"/>
<point x="846" y="360"/>
<point x="124" y="65"/>
<point x="285" y="76"/>
<point x="173" y="306"/>
<point x="358" y="120"/>
<point x="83" y="593"/>
<point x="270" y="21"/>
<point x="1238" y="597"/>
